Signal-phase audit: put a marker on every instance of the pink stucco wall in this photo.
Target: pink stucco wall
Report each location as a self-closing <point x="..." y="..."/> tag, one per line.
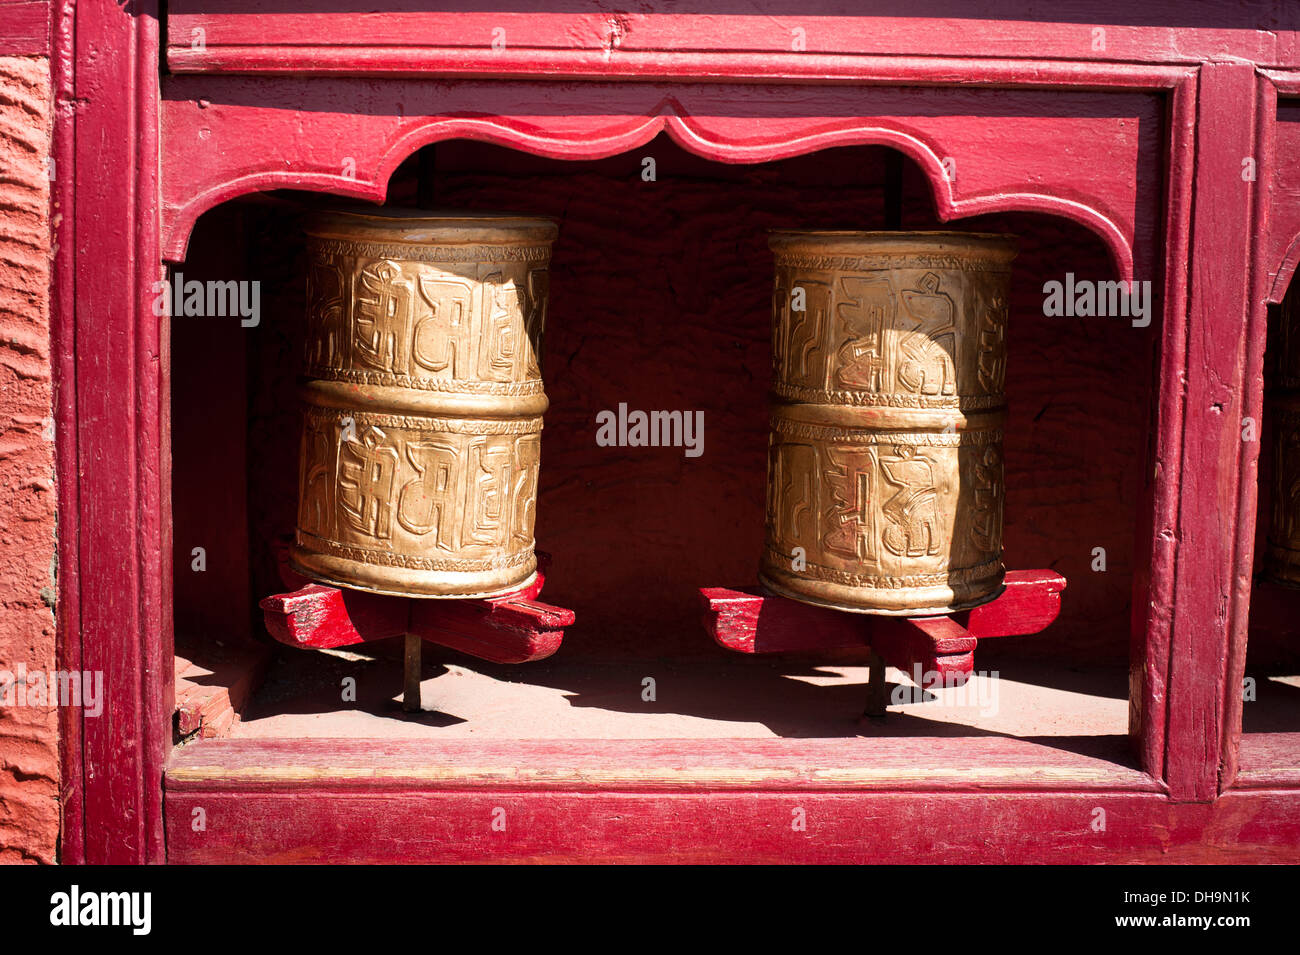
<point x="29" y="761"/>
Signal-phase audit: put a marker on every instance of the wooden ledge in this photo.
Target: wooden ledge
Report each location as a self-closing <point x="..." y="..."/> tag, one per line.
<point x="1268" y="761"/>
<point x="850" y="764"/>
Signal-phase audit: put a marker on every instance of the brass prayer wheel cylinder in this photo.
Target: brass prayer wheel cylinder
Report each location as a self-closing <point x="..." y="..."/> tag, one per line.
<point x="885" y="487"/>
<point x="423" y="402"/>
<point x="1282" y="556"/>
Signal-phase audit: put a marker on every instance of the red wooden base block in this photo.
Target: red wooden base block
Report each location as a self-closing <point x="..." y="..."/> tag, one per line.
<point x="513" y="628"/>
<point x="754" y="621"/>
<point x="214" y="682"/>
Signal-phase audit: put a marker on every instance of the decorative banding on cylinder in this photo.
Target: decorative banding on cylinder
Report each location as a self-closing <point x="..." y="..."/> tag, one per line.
<point x="885" y="486"/>
<point x="423" y="402"/>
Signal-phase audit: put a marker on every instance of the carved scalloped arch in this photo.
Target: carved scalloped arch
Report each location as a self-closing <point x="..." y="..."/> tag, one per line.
<point x="620" y="137"/>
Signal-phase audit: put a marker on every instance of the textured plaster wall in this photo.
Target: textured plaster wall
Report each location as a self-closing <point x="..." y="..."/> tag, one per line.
<point x="29" y="761"/>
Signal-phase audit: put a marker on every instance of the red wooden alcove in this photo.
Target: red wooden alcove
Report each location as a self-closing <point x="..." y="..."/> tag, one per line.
<point x="1137" y="145"/>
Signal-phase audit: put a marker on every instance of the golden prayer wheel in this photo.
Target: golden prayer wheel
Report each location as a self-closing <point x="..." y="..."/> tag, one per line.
<point x="423" y="402"/>
<point x="1282" y="556"/>
<point x="885" y="487"/>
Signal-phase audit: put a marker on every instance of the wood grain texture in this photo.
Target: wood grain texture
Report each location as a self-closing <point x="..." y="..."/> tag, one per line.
<point x="585" y="39"/>
<point x="26" y="28"/>
<point x="660" y="765"/>
<point x="1256" y="333"/>
<point x="730" y="828"/>
<point x="1268" y="761"/>
<point x="1156" y="548"/>
<point x="1207" y="581"/>
<point x="767" y="801"/>
<point x="63" y="337"/>
<point x="122" y="518"/>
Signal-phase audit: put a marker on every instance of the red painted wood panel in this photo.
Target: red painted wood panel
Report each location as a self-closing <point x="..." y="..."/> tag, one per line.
<point x="25" y="27"/>
<point x="758" y="622"/>
<point x="968" y="763"/>
<point x="1005" y="151"/>
<point x="63" y="337"/>
<point x="1268" y="761"/>
<point x="122" y="521"/>
<point x="731" y="828"/>
<point x="1221" y="324"/>
<point x="1281" y="176"/>
<point x="503" y="630"/>
<point x="1253" y="385"/>
<point x="766" y="801"/>
<point x="226" y="137"/>
<point x="587" y="39"/>
<point x="1157" y="540"/>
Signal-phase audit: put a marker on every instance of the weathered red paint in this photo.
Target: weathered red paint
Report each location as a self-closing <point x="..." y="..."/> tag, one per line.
<point x="1001" y="163"/>
<point x="674" y="801"/>
<point x="1053" y="134"/>
<point x="1223" y="323"/>
<point x="513" y="628"/>
<point x="755" y="621"/>
<point x="26" y="29"/>
<point x="115" y="541"/>
<point x="1278" y="247"/>
<point x="260" y="36"/>
<point x="212" y="695"/>
<point x="63" y="359"/>
<point x="322" y="617"/>
<point x="500" y="630"/>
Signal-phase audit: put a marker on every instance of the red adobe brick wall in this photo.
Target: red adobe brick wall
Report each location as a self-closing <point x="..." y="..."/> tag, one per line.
<point x="29" y="759"/>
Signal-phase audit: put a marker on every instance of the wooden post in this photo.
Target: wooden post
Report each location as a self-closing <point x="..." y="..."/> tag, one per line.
<point x="876" y="697"/>
<point x="413" y="667"/>
<point x="1223" y="364"/>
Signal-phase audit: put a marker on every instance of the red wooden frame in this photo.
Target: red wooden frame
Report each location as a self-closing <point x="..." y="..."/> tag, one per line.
<point x="114" y="579"/>
<point x="716" y="84"/>
<point x="756" y="621"/>
<point x="512" y="628"/>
